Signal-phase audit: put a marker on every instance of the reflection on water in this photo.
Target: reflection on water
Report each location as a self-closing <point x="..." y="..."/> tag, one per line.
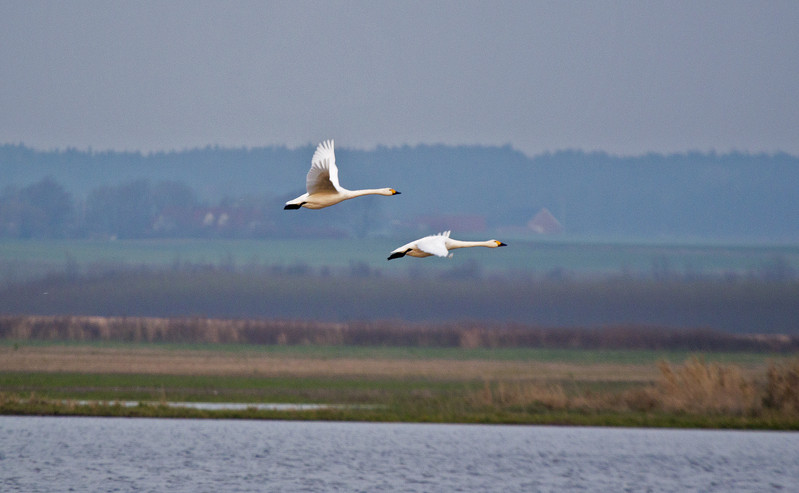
<point x="231" y="406"/>
<point x="119" y="454"/>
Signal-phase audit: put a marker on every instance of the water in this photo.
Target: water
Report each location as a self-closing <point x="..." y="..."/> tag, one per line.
<point x="236" y="406"/>
<point x="43" y="454"/>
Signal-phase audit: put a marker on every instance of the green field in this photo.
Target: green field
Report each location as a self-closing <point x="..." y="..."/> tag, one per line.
<point x="522" y="354"/>
<point x="30" y="258"/>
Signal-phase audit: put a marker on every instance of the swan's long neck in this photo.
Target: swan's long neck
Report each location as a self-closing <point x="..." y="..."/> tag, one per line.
<point x="367" y="191"/>
<point x="453" y="244"/>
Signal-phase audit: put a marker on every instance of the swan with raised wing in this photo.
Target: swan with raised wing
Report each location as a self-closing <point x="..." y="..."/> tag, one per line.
<point x="321" y="183"/>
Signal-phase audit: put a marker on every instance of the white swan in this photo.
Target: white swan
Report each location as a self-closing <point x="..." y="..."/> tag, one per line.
<point x="439" y="245"/>
<point x="322" y="182"/>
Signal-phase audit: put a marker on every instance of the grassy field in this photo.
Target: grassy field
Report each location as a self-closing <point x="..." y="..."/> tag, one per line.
<point x="629" y="388"/>
<point x="542" y="256"/>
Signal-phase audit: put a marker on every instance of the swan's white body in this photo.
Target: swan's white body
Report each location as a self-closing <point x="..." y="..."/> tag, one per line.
<point x="439" y="245"/>
<point x="322" y="182"/>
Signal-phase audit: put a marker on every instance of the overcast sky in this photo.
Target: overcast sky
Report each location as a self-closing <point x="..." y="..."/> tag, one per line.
<point x="615" y="76"/>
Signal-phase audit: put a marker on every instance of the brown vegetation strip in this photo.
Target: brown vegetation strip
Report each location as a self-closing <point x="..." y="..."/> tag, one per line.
<point x="198" y="330"/>
<point x="193" y="362"/>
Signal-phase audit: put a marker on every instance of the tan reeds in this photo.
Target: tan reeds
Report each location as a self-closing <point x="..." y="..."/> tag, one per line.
<point x="699" y="387"/>
<point x="694" y="387"/>
<point x="782" y="387"/>
<point x="522" y="394"/>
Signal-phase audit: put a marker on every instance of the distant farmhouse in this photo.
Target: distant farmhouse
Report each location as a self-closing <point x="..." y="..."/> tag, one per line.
<point x="544" y="223"/>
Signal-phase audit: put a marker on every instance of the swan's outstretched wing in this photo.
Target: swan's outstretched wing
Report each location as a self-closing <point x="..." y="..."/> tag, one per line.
<point x="323" y="175"/>
<point x="434" y="245"/>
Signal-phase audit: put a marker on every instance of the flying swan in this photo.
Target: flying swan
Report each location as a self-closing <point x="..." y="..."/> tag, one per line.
<point x="439" y="245"/>
<point x="322" y="182"/>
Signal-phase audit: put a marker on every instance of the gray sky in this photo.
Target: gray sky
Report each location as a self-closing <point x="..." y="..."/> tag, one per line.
<point x="617" y="76"/>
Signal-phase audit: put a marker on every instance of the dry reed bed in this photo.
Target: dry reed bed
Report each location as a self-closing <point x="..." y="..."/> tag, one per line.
<point x="693" y="388"/>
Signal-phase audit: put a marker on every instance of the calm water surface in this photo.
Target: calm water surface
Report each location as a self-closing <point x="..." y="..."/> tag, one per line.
<point x="43" y="454"/>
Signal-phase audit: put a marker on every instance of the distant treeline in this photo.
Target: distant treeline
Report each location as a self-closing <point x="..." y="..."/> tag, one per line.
<point x="240" y="192"/>
<point x="735" y="305"/>
<point x="197" y="330"/>
<point x="136" y="209"/>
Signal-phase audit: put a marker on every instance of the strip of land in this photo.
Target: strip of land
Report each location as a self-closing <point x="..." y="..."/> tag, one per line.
<point x="396" y="372"/>
<point x="89" y="359"/>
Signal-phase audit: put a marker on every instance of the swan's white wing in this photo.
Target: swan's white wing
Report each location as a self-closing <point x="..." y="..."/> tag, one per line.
<point x="434" y="245"/>
<point x="323" y="175"/>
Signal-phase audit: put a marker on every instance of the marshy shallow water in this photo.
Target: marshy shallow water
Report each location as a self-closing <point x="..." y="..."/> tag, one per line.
<point x="229" y="406"/>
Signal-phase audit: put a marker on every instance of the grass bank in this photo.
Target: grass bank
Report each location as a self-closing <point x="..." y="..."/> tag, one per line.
<point x="519" y="386"/>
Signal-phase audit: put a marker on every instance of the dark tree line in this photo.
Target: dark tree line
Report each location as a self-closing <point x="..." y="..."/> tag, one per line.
<point x="168" y="209"/>
<point x="135" y="209"/>
<point x="41" y="210"/>
<point x="734" y="196"/>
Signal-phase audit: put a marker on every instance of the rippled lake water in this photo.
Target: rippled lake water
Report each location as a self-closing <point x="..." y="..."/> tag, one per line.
<point x="45" y="454"/>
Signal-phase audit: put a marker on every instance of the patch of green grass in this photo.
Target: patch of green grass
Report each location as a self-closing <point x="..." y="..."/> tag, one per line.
<point x="571" y="402"/>
<point x="545" y="254"/>
<point x="428" y="411"/>
<point x="194" y="388"/>
<point x="315" y="351"/>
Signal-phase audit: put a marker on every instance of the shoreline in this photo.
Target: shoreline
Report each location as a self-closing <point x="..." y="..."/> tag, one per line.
<point x="527" y="387"/>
